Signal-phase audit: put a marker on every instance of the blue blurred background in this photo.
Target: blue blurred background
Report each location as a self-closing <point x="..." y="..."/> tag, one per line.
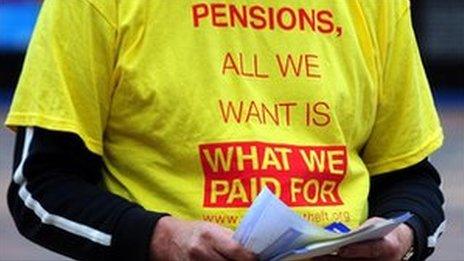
<point x="440" y="33"/>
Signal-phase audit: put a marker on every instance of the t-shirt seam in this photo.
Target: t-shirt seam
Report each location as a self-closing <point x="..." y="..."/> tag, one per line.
<point x="101" y="13"/>
<point x="399" y="16"/>
<point x="18" y="118"/>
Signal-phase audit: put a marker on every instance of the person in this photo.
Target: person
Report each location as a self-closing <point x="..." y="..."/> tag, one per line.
<point x="146" y="129"/>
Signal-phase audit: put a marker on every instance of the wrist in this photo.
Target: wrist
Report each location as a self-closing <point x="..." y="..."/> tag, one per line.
<point x="407" y="235"/>
<point x="132" y="234"/>
<point x="161" y="233"/>
<point x="407" y="241"/>
<point x="419" y="234"/>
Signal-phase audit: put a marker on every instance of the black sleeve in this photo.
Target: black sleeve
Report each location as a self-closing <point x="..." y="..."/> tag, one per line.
<point x="56" y="201"/>
<point x="415" y="189"/>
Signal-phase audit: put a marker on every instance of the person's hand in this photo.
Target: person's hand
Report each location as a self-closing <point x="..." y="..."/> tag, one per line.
<point x="392" y="247"/>
<point x="175" y="239"/>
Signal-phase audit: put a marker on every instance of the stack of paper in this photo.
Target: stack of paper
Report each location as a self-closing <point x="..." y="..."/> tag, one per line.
<point x="274" y="232"/>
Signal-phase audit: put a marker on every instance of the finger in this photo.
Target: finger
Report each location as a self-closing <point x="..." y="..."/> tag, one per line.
<point x="327" y="258"/>
<point x="229" y="248"/>
<point x="232" y="250"/>
<point x="205" y="254"/>
<point x="337" y="258"/>
<point x="368" y="249"/>
<point x="215" y="255"/>
<point x="202" y="249"/>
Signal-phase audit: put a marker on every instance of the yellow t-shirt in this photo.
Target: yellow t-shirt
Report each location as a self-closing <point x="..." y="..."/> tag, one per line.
<point x="196" y="105"/>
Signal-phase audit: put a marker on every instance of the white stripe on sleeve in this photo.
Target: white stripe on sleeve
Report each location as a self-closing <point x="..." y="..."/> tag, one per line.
<point x="18" y="176"/>
<point x="47" y="218"/>
<point x="433" y="239"/>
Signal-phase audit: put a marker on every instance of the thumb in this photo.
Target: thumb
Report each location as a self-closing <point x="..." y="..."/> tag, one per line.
<point x="371" y="221"/>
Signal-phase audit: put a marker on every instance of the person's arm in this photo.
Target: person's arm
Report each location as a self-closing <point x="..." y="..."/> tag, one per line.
<point x="417" y="190"/>
<point x="56" y="201"/>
